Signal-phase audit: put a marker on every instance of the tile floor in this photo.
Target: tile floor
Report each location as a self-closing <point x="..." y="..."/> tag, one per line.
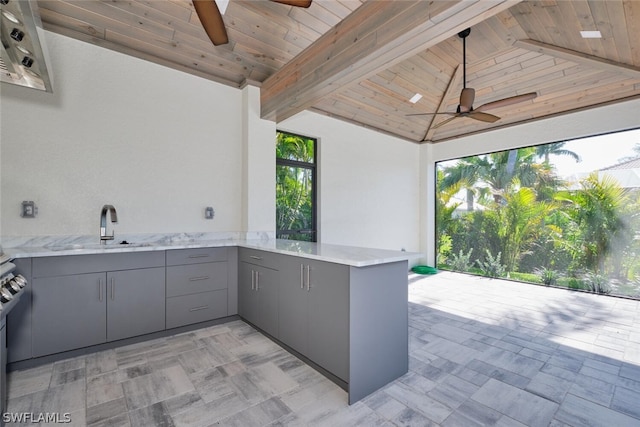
<point x="482" y="352"/>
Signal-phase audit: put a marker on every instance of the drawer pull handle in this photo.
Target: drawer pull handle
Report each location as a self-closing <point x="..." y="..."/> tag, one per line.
<point x="195" y="279"/>
<point x="255" y="257"/>
<point x="199" y="256"/>
<point x="203" y="307"/>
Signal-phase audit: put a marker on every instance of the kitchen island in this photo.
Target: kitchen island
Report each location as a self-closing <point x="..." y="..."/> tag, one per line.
<point x="341" y="309"/>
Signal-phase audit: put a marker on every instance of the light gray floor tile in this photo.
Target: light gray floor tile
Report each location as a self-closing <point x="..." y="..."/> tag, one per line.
<point x="592" y="389"/>
<point x="155" y="387"/>
<point x="579" y="412"/>
<point x="548" y="386"/>
<point x="516" y="403"/>
<point x="627" y="401"/>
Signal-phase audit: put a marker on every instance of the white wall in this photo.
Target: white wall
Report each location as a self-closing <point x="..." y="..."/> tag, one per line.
<point x="591" y="122"/>
<point x="368" y="184"/>
<point x="158" y="144"/>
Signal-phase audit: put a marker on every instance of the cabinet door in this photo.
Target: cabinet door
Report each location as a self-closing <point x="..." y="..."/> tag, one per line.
<point x="247" y="296"/>
<point x="292" y="304"/>
<point x="135" y="302"/>
<point x="68" y="312"/>
<point x="266" y="285"/>
<point x="329" y="317"/>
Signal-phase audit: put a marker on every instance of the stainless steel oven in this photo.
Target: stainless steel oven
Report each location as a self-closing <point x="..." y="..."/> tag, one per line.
<point x="11" y="289"/>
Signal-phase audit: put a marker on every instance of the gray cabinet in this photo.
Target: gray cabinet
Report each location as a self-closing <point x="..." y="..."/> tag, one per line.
<point x="328" y="320"/>
<point x="68" y="312"/>
<point x="135" y="302"/>
<point x="313" y="310"/>
<point x="197" y="286"/>
<point x="258" y="291"/>
<point x="74" y="308"/>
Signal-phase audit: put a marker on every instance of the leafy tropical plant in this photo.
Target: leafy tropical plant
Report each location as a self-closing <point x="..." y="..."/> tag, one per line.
<point x="596" y="283"/>
<point x="491" y="266"/>
<point x="547" y="276"/>
<point x="461" y="261"/>
<point x="595" y="209"/>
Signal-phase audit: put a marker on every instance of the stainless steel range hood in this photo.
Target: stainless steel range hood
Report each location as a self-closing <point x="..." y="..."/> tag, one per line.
<point x="23" y="55"/>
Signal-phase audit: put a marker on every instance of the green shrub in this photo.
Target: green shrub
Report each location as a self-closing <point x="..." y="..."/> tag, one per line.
<point x="491" y="266"/>
<point x="596" y="283"/>
<point x="524" y="277"/>
<point x="461" y="261"/>
<point x="547" y="276"/>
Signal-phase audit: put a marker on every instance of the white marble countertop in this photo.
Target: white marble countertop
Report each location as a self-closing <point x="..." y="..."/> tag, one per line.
<point x="348" y="255"/>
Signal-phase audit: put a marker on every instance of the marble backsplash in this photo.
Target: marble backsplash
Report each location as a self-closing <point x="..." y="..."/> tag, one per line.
<point x="160" y="239"/>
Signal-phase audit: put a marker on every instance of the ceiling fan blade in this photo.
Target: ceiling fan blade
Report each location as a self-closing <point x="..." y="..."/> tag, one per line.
<point x="444" y="122"/>
<point x="466" y="99"/>
<point x="297" y="3"/>
<point x="211" y="20"/>
<point x="507" y="101"/>
<point x="430" y="114"/>
<point x="483" y="117"/>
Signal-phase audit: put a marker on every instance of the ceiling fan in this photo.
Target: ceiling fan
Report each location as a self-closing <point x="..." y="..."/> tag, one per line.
<point x="211" y="18"/>
<point x="467" y="96"/>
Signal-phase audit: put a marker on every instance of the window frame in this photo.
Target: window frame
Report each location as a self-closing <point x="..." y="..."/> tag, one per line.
<point x="313" y="167"/>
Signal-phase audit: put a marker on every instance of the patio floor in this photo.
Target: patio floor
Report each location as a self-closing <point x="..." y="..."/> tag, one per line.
<point x="495" y="352"/>
<point x="483" y="352"/>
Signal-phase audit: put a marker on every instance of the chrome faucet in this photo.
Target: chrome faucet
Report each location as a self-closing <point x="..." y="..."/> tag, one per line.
<point x="103" y="223"/>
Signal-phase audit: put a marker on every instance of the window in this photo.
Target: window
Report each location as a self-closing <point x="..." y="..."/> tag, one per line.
<point x="296" y="162"/>
<point x="562" y="214"/>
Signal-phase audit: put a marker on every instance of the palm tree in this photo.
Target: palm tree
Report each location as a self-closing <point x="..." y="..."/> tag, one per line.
<point x="555" y="148"/>
<point x="596" y="212"/>
<point x="520" y="219"/>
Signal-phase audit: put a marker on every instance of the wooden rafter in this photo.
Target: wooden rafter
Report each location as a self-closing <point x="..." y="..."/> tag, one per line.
<point x="454" y="85"/>
<point x="374" y="37"/>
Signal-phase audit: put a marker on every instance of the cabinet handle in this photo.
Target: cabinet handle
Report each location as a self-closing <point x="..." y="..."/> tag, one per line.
<point x="195" y="279"/>
<point x="253" y="280"/>
<point x="100" y="290"/>
<point x="199" y="256"/>
<point x="257" y="280"/>
<point x="308" y="278"/>
<point x="301" y="276"/>
<point x="255" y="257"/>
<point x="203" y="307"/>
<point x="113" y="289"/>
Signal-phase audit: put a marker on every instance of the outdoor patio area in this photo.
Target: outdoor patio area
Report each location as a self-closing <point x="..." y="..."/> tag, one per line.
<point x="495" y="352"/>
<point x="483" y="352"/>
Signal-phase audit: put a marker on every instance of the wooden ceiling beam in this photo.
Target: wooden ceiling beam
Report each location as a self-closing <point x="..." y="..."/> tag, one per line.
<point x="454" y="85"/>
<point x="579" y="57"/>
<point x="374" y="37"/>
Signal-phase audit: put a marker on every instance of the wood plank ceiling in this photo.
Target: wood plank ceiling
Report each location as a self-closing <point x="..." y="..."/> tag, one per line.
<point x="362" y="63"/>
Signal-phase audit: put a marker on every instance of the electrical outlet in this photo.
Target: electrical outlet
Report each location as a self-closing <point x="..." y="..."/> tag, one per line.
<point x="208" y="212"/>
<point x="29" y="209"/>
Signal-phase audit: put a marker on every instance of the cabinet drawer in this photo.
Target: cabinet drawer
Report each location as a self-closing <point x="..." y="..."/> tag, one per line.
<point x="194" y="278"/>
<point x="188" y="309"/>
<point x="257" y="257"/>
<point x="196" y="255"/>
<point x="93" y="263"/>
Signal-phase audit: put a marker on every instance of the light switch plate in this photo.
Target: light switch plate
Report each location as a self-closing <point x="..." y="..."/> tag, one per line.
<point x="29" y="209"/>
<point x="208" y="212"/>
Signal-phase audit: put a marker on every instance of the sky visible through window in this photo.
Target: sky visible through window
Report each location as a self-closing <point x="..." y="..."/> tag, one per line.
<point x="597" y="152"/>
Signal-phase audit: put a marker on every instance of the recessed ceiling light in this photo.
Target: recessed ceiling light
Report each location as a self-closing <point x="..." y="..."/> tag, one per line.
<point x="591" y="34"/>
<point x="415" y="98"/>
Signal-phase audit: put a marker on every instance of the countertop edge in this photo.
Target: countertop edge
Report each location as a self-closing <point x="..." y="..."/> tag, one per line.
<point x="339" y="254"/>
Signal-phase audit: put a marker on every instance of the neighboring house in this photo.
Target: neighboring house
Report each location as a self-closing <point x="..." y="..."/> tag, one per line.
<point x="626" y="173"/>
